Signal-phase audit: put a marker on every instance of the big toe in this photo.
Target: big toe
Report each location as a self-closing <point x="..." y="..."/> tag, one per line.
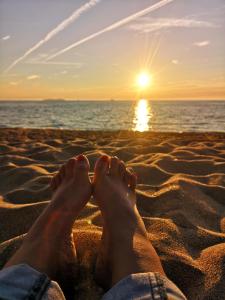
<point x="82" y="166"/>
<point x="70" y="167"/>
<point x="101" y="166"/>
<point x="114" y="166"/>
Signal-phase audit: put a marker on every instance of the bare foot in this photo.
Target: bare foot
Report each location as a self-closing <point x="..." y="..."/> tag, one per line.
<point x="49" y="246"/>
<point x="125" y="246"/>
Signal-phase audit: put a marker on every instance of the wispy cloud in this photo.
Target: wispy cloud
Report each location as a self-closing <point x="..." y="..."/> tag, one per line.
<point x="175" y="62"/>
<point x="146" y="25"/>
<point x="5" y="38"/>
<point x="60" y="27"/>
<point x="33" y="77"/>
<point x="77" y="65"/>
<point x="14" y="83"/>
<point x="114" y="26"/>
<point x="202" y="43"/>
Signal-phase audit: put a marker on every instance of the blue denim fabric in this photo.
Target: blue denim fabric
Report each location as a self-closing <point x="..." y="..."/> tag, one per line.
<point x="21" y="282"/>
<point x="151" y="286"/>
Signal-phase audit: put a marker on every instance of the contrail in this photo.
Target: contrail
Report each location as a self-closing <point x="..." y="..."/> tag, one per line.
<point x="113" y="26"/>
<point x="75" y="15"/>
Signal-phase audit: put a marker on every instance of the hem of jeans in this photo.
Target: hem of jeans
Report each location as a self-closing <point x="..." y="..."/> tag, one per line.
<point x="159" y="284"/>
<point x="39" y="288"/>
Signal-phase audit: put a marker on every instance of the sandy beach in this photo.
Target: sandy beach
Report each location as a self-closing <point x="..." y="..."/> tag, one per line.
<point x="180" y="195"/>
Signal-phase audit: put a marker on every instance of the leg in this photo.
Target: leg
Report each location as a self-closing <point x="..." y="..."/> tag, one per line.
<point x="126" y="248"/>
<point x="49" y="246"/>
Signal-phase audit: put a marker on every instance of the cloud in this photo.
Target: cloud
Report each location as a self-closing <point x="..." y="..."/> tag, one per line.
<point x="175" y="62"/>
<point x="60" y="27"/>
<point x="77" y="65"/>
<point x="33" y="77"/>
<point x="147" y="25"/>
<point x="115" y="25"/>
<point x="202" y="44"/>
<point x="5" y="38"/>
<point x="14" y="83"/>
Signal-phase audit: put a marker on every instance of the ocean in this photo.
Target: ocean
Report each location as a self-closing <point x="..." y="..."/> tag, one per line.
<point x="142" y="115"/>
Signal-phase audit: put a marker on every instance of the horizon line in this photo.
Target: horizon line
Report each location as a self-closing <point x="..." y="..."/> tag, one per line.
<point x="110" y="100"/>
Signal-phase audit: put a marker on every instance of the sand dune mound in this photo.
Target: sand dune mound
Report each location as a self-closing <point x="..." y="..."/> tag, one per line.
<point x="181" y="197"/>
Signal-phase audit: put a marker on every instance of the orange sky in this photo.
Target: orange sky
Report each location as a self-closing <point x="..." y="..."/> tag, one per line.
<point x="72" y="51"/>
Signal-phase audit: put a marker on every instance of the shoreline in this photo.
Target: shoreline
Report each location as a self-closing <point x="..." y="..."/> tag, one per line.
<point x="70" y="133"/>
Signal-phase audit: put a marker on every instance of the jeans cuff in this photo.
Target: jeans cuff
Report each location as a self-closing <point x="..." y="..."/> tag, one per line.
<point x="149" y="286"/>
<point x="22" y="282"/>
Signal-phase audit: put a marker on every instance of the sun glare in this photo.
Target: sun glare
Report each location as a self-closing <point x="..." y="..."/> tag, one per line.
<point x="142" y="116"/>
<point x="144" y="79"/>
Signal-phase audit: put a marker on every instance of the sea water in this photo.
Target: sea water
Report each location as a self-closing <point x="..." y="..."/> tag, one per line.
<point x="141" y="115"/>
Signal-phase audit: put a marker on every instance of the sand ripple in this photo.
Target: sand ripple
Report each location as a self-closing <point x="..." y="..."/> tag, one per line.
<point x="181" y="197"/>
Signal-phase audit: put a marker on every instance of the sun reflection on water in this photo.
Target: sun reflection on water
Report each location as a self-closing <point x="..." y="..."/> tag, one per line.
<point x="142" y="116"/>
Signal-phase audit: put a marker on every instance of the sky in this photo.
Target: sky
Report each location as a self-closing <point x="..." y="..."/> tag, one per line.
<point x="95" y="49"/>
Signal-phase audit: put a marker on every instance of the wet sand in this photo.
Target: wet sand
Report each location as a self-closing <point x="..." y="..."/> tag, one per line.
<point x="180" y="195"/>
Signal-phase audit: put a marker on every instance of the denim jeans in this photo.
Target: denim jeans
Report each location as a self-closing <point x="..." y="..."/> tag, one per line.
<point x="22" y="282"/>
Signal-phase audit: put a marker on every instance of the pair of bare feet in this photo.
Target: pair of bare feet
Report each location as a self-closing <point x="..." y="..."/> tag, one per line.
<point x="125" y="249"/>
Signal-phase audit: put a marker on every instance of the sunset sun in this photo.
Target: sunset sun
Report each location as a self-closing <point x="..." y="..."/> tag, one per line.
<point x="144" y="80"/>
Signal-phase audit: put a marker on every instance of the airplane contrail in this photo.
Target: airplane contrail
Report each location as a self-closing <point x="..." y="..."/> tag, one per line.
<point x="75" y="15"/>
<point x="113" y="26"/>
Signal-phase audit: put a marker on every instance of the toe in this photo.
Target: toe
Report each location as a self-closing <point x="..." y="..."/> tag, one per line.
<point x="114" y="166"/>
<point x="122" y="169"/>
<point x="133" y="181"/>
<point x="82" y="164"/>
<point x="102" y="166"/>
<point x="127" y="177"/>
<point x="57" y="180"/>
<point x="62" y="172"/>
<point x="53" y="183"/>
<point x="70" y="166"/>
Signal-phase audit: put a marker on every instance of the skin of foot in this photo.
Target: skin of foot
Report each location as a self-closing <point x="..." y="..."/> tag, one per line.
<point x="49" y="246"/>
<point x="125" y="247"/>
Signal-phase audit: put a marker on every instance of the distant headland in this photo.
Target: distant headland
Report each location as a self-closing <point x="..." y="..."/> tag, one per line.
<point x="53" y="100"/>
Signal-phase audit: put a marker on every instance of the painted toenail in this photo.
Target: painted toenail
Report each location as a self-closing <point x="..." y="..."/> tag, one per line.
<point x="105" y="158"/>
<point x="81" y="158"/>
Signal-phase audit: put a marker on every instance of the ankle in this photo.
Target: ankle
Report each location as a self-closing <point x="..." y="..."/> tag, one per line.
<point x="125" y="223"/>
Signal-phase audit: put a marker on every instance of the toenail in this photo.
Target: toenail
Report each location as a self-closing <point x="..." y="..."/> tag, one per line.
<point x="81" y="157"/>
<point x="104" y="158"/>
